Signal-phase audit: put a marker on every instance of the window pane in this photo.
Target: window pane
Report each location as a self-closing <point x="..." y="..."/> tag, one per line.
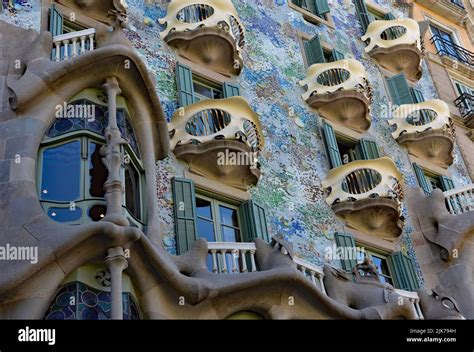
<point x="61" y="174"/>
<point x="65" y="214"/>
<point x="230" y="235"/>
<point x="203" y="208"/>
<point x="132" y="191"/>
<point x="203" y="91"/>
<point x="381" y="265"/>
<point x="97" y="171"/>
<point x="205" y="229"/>
<point x="97" y="212"/>
<point x="228" y="216"/>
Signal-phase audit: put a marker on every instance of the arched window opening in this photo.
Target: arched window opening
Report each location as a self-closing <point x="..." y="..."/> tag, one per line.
<point x="85" y="295"/>
<point x="71" y="174"/>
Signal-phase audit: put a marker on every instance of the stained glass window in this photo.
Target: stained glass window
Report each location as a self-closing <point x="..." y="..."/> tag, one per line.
<point x="78" y="301"/>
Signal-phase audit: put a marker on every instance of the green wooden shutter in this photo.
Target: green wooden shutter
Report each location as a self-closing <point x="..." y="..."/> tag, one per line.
<point x="345" y="240"/>
<point x="422" y="180"/>
<point x="55" y="21"/>
<point x="363" y="13"/>
<point x="314" y="51"/>
<point x="254" y="221"/>
<point x="389" y="16"/>
<point x="184" y="213"/>
<point x="399" y="90"/>
<point x="446" y="183"/>
<point x="322" y="7"/>
<point x="297" y="2"/>
<point x="184" y="80"/>
<point x="403" y="271"/>
<point x="310" y="5"/>
<point x="336" y="55"/>
<point x="331" y="145"/>
<point x="231" y="90"/>
<point x="367" y="150"/>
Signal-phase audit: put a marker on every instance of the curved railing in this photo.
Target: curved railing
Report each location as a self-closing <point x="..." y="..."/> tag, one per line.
<point x="415" y="118"/>
<point x="460" y="200"/>
<point x="363" y="179"/>
<point x="209" y="120"/>
<point x="71" y="45"/>
<point x="188" y="15"/>
<point x="348" y="74"/>
<point x="388" y="33"/>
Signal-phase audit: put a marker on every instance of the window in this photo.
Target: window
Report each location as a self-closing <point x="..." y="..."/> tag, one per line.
<point x="401" y="92"/>
<point x="462" y="88"/>
<point x="429" y="180"/>
<point x="88" y="288"/>
<point x="397" y="268"/>
<point x="319" y="8"/>
<point x="214" y="218"/>
<point x="444" y="42"/>
<point x="342" y="149"/>
<point x="316" y="53"/>
<point x="217" y="221"/>
<point x="380" y="262"/>
<point x="193" y="88"/>
<point x="71" y="174"/>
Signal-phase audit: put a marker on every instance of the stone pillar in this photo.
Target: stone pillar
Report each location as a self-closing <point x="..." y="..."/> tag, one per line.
<point x="116" y="263"/>
<point x="112" y="157"/>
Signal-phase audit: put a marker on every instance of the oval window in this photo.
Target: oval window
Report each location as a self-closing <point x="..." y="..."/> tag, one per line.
<point x="195" y="13"/>
<point x="361" y="181"/>
<point x="208" y="122"/>
<point x="333" y="77"/>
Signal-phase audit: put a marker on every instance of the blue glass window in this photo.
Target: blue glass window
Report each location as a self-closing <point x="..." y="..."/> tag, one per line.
<point x="78" y="301"/>
<point x="61" y="174"/>
<point x="65" y="214"/>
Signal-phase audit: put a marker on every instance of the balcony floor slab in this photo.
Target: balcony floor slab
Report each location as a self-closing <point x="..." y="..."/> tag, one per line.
<point x="400" y="58"/>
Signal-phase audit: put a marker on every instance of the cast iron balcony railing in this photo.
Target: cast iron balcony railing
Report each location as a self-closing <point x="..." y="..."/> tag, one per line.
<point x="214" y="129"/>
<point x="465" y="104"/>
<point x="208" y="32"/>
<point x="460" y="200"/>
<point x="368" y="195"/>
<point x="426" y="129"/>
<point x="73" y="44"/>
<point x="396" y="45"/>
<point x="446" y="47"/>
<point x="341" y="92"/>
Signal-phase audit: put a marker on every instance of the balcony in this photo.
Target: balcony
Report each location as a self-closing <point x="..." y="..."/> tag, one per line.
<point x="241" y="258"/>
<point x="70" y="45"/>
<point x="426" y="130"/>
<point x="367" y="195"/>
<point x="208" y="32"/>
<point x="340" y="92"/>
<point x="465" y="104"/>
<point x="460" y="200"/>
<point x="452" y="10"/>
<point x="396" y="46"/>
<point x="238" y="257"/>
<point x="219" y="139"/>
<point x="452" y="54"/>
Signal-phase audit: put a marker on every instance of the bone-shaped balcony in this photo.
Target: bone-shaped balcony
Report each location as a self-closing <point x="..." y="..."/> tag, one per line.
<point x="367" y="195"/>
<point x="219" y="139"/>
<point x="426" y="130"/>
<point x="396" y="45"/>
<point x="340" y="92"/>
<point x="208" y="32"/>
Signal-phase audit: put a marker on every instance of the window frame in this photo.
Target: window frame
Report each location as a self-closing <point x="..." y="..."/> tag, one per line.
<point x="86" y="199"/>
<point x="370" y="251"/>
<point x="207" y="83"/>
<point x="216" y="202"/>
<point x="311" y="17"/>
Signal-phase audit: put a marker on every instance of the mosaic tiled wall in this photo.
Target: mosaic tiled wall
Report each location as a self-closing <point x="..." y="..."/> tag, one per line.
<point x="294" y="162"/>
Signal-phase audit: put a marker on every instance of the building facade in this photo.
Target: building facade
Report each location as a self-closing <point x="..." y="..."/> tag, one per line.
<point x="219" y="159"/>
